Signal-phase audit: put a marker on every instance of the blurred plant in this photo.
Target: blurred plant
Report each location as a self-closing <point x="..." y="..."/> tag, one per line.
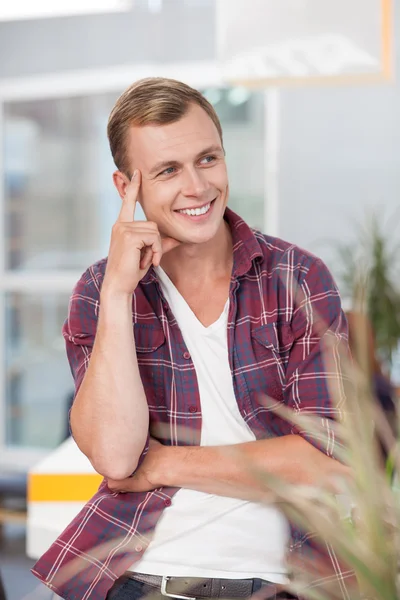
<point x="360" y="522"/>
<point x="371" y="275"/>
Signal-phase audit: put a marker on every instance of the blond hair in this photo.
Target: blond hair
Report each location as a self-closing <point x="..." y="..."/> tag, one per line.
<point x="152" y="101"/>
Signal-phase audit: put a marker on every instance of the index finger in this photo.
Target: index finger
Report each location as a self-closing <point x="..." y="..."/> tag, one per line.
<point x="127" y="212"/>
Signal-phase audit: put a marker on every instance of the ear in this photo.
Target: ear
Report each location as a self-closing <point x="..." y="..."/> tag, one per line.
<point x="121" y="182"/>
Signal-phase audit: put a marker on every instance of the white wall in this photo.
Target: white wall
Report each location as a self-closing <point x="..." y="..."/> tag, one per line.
<point x="339" y="158"/>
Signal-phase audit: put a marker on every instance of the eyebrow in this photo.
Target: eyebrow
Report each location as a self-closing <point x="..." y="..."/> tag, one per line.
<point x="161" y="166"/>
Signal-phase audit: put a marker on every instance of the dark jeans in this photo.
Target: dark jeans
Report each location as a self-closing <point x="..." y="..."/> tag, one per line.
<point x="126" y="588"/>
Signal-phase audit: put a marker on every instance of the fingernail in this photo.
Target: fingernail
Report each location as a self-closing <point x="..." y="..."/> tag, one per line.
<point x="134" y="174"/>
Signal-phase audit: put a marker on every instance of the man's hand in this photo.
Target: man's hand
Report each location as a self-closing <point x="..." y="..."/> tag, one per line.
<point x="149" y="475"/>
<point x="134" y="246"/>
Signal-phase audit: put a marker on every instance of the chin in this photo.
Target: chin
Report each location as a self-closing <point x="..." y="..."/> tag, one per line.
<point x="200" y="237"/>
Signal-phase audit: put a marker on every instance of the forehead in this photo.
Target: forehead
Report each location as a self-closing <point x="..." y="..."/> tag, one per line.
<point x="186" y="137"/>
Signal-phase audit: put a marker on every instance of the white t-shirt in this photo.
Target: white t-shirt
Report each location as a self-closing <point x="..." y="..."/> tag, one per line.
<point x="200" y="534"/>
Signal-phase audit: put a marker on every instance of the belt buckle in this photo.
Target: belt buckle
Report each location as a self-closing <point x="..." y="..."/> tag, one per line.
<point x="164" y="592"/>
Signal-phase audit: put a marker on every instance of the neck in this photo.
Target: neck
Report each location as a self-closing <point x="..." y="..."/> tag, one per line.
<point x="205" y="262"/>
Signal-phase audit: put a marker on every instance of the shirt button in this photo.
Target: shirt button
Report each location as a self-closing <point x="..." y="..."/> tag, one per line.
<point x="186" y="355"/>
<point x="139" y="548"/>
<point x="193" y="409"/>
<point x="167" y="502"/>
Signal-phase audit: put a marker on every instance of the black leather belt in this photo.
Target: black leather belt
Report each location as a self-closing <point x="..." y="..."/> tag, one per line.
<point x="193" y="588"/>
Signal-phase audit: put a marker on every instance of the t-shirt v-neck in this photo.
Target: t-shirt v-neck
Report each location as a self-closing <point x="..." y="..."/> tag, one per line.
<point x="184" y="312"/>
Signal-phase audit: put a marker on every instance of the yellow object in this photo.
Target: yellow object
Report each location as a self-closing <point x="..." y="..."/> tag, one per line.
<point x="62" y="487"/>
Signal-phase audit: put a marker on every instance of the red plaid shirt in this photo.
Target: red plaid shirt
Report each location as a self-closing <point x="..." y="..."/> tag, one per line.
<point x="282" y="300"/>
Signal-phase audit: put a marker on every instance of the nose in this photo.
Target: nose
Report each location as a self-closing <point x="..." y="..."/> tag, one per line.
<point x="195" y="183"/>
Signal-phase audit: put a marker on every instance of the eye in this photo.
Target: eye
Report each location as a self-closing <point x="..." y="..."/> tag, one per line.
<point x="168" y="171"/>
<point x="207" y="160"/>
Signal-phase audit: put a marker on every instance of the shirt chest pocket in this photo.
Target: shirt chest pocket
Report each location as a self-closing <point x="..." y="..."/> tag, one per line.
<point x="270" y="349"/>
<point x="150" y="352"/>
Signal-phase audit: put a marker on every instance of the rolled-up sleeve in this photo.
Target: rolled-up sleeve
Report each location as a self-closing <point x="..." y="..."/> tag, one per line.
<point x="315" y="373"/>
<point x="79" y="329"/>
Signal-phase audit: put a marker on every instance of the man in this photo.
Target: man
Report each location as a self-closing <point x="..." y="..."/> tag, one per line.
<point x="174" y="342"/>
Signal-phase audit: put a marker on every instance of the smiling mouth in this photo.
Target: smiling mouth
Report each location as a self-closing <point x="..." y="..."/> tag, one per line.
<point x="196" y="212"/>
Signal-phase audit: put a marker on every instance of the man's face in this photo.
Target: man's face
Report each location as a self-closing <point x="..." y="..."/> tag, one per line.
<point x="184" y="177"/>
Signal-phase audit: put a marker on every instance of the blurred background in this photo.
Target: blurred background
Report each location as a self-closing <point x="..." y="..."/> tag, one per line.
<point x="309" y="102"/>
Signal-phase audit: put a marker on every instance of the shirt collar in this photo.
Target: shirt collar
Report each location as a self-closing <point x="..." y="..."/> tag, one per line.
<point x="246" y="247"/>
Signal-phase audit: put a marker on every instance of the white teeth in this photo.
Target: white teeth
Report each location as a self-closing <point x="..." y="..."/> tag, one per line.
<point x="196" y="212"/>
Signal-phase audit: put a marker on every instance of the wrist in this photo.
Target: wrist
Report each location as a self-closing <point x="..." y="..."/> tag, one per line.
<point x="171" y="471"/>
<point x="110" y="295"/>
<point x="115" y="309"/>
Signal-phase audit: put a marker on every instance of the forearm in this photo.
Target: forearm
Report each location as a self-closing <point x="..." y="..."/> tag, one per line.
<point x="240" y="470"/>
<point x="110" y="417"/>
